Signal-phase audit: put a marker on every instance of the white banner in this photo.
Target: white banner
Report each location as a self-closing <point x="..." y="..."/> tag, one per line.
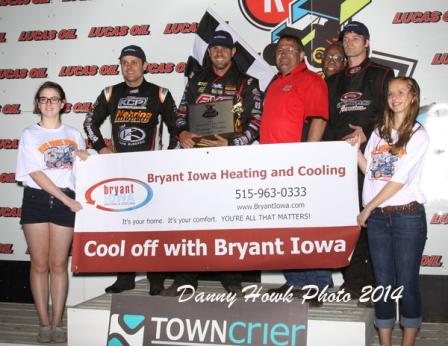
<point x="175" y="195"/>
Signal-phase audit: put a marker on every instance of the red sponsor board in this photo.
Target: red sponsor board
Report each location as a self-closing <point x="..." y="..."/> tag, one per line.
<point x="213" y="250"/>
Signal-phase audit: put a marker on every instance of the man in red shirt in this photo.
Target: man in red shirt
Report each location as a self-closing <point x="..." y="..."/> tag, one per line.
<point x="296" y="97"/>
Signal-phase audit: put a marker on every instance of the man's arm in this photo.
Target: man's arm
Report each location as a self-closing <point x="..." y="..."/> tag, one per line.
<point x="169" y="112"/>
<point x="94" y="118"/>
<point x="317" y="128"/>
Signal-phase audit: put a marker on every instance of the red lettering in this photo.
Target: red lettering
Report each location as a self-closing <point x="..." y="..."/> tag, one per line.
<point x="180" y="67"/>
<point x="2" y="37"/>
<point x="9" y="143"/>
<point x="78" y="71"/>
<point x="109" y="70"/>
<point x="440" y="59"/>
<point x="10" y="212"/>
<point x="40" y="72"/>
<point x="6" y="248"/>
<point x="445" y="16"/>
<point x="7" y="178"/>
<point x="38" y="2"/>
<point x="160" y="68"/>
<point x="67" y="34"/>
<point x="11" y="109"/>
<point x="182" y="28"/>
<point x="140" y="30"/>
<point x="431" y="261"/>
<point x="20" y="73"/>
<point x="80" y="107"/>
<point x="37" y="35"/>
<point x="108" y="31"/>
<point x="67" y="107"/>
<point x="14" y="2"/>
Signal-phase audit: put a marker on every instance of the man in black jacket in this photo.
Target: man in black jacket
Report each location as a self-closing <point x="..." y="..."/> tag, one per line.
<point x="356" y="102"/>
<point x="220" y="81"/>
<point x="136" y="109"/>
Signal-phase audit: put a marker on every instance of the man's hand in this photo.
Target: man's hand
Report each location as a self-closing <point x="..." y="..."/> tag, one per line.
<point x="106" y="150"/>
<point x="82" y="154"/>
<point x="357" y="130"/>
<point x="186" y="139"/>
<point x="218" y="142"/>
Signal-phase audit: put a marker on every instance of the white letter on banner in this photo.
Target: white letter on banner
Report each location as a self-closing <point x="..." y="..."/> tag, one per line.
<point x="86" y="248"/>
<point x="220" y="247"/>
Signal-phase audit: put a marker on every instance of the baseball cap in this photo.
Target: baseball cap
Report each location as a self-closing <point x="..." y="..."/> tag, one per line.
<point x="221" y="38"/>
<point x="292" y="32"/>
<point x="356" y="27"/>
<point x="133" y="51"/>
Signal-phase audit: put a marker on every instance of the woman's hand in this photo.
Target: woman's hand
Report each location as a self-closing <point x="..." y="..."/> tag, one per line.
<point x="363" y="216"/>
<point x="82" y="154"/>
<point x="74" y="205"/>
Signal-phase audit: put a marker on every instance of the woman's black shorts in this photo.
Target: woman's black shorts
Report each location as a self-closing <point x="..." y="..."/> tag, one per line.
<point x="39" y="206"/>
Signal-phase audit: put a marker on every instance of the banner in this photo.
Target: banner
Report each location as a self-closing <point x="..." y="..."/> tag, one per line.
<point x="250" y="207"/>
<point x="218" y="319"/>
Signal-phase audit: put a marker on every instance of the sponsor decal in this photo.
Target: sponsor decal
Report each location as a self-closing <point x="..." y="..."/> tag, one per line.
<point x="78" y="107"/>
<point x="180" y="28"/>
<point x="6" y="248"/>
<point x="131" y="135"/>
<point x="219" y="319"/>
<point x="9" y="143"/>
<point x="10" y="108"/>
<point x="439" y="219"/>
<point x="88" y="70"/>
<point x="47" y="35"/>
<point x="126" y="329"/>
<point x="2" y="37"/>
<point x="265" y="14"/>
<point x="22" y="2"/>
<point x="10" y="212"/>
<point x="419" y="17"/>
<point x="22" y="73"/>
<point x="8" y="178"/>
<point x="118" y="31"/>
<point x="352" y="95"/>
<point x="434" y="261"/>
<point x="133" y="102"/>
<point x="440" y="59"/>
<point x="119" y="194"/>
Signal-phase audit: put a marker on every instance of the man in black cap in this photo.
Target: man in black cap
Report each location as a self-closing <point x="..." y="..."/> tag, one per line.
<point x="134" y="107"/>
<point x="221" y="80"/>
<point x="356" y="102"/>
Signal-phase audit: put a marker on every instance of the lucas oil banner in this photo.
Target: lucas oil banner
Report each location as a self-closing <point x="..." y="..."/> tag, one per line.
<point x="214" y="209"/>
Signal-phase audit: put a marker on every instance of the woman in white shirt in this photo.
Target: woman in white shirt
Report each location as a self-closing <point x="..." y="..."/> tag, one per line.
<point x="393" y="209"/>
<point x="44" y="165"/>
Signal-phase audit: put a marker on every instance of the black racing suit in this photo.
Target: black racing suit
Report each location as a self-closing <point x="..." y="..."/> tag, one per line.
<point x="206" y="87"/>
<point x="357" y="96"/>
<point x="134" y="115"/>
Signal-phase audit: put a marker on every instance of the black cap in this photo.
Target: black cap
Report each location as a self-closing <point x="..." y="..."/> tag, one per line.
<point x="133" y="51"/>
<point x="356" y="27"/>
<point x="293" y="33"/>
<point x="221" y="38"/>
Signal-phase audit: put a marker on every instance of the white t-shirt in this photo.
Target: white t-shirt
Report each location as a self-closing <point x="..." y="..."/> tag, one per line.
<point x="51" y="151"/>
<point x="404" y="167"/>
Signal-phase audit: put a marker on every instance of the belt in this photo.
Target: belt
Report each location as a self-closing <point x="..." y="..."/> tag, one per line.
<point x="402" y="209"/>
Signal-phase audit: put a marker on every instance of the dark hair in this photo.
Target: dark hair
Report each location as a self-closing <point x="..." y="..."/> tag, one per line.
<point x="295" y="39"/>
<point x="405" y="131"/>
<point x="49" y="85"/>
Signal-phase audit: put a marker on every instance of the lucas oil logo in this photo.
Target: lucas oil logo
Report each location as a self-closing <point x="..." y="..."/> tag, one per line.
<point x="119" y="194"/>
<point x="126" y="330"/>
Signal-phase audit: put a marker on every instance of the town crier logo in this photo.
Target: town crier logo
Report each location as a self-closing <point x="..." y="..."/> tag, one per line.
<point x="265" y="14"/>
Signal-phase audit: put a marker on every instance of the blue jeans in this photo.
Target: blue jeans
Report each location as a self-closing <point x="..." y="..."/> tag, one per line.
<point x="303" y="277"/>
<point x="396" y="243"/>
